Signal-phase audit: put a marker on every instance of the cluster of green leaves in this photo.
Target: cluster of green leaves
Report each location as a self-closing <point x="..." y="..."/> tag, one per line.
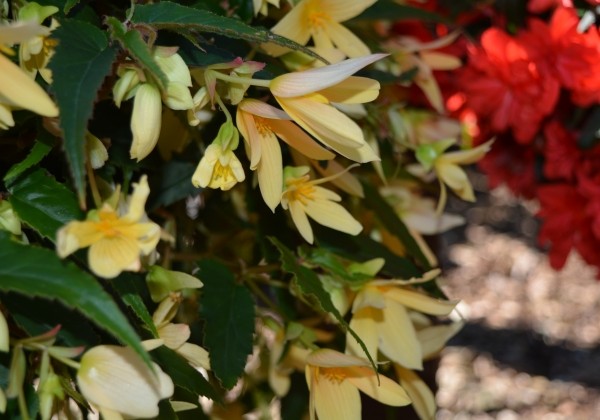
<point x="46" y="185"/>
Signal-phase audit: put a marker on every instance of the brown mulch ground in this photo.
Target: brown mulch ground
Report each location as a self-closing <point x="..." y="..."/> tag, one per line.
<point x="531" y="346"/>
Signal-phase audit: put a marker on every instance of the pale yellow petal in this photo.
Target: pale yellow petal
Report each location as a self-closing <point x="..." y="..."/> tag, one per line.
<point x="432" y="91"/>
<point x="353" y="90"/>
<point x="178" y="97"/>
<point x="145" y="121"/>
<point x="76" y="235"/>
<point x="467" y="157"/>
<point x="363" y="323"/>
<point x="203" y="174"/>
<point x="300" y="219"/>
<point x="262" y="109"/>
<point x="342" y="10"/>
<point x="196" y="355"/>
<point x="109" y="256"/>
<point x="324" y="122"/>
<point x="173" y="66"/>
<point x="398" y="339"/>
<point x="344" y="181"/>
<point x="381" y="388"/>
<point x="421" y="302"/>
<point x="18" y="90"/>
<point x="292" y="26"/>
<point x="141" y="191"/>
<point x="328" y="358"/>
<point x="309" y="81"/>
<point x="4" y="335"/>
<point x="270" y="170"/>
<point x="423" y="400"/>
<point x="369" y="297"/>
<point x="174" y="335"/>
<point x="333" y="215"/>
<point x="299" y="140"/>
<point x="249" y="131"/>
<point x="434" y="338"/>
<point x="362" y="154"/>
<point x="336" y="400"/>
<point x="456" y="178"/>
<point x="346" y="41"/>
<point x="440" y="61"/>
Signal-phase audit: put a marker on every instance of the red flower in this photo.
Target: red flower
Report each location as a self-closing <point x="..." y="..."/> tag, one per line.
<point x="566" y="224"/>
<point x="504" y="83"/>
<point x="561" y="154"/>
<point x="539" y="6"/>
<point x="512" y="164"/>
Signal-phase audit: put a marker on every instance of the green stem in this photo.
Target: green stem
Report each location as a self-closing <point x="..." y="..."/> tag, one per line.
<point x="262" y="296"/>
<point x="23" y="405"/>
<point x="93" y="185"/>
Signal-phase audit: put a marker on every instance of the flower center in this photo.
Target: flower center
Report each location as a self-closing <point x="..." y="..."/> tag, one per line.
<point x="222" y="173"/>
<point x="107" y="224"/>
<point x="300" y="190"/>
<point x="318" y="19"/>
<point x="337" y="375"/>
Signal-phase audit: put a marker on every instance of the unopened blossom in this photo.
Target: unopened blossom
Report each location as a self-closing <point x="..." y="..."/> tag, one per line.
<point x="8" y="218"/>
<point x="305" y="198"/>
<point x="35" y="53"/>
<point x="120" y="385"/>
<point x="234" y="74"/>
<point x="334" y="380"/>
<point x="320" y="20"/>
<point x="116" y="237"/>
<point x="220" y="167"/>
<point x="307" y="97"/>
<point x="381" y="319"/>
<point x="17" y="89"/>
<point x="261" y="125"/>
<point x="162" y="282"/>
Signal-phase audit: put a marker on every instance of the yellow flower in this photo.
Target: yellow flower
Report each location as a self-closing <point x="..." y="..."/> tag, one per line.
<point x="334" y="380"/>
<point x="260" y="125"/>
<point x="145" y="120"/>
<point x="306" y="96"/>
<point x="304" y="198"/>
<point x="116" y="239"/>
<point x="320" y="20"/>
<point x="17" y="89"/>
<point x="35" y="53"/>
<point x="220" y="167"/>
<point x="261" y="6"/>
<point x="381" y="319"/>
<point x="175" y="336"/>
<point x="118" y="382"/>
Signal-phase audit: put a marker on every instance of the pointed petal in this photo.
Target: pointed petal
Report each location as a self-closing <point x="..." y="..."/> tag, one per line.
<point x="270" y="171"/>
<point x="369" y="297"/>
<point x="196" y="355"/>
<point x="422" y="398"/>
<point x="431" y="89"/>
<point x="364" y="324"/>
<point x="247" y="128"/>
<point x="178" y="97"/>
<point x="346" y="41"/>
<point x="299" y="140"/>
<point x="109" y="256"/>
<point x="456" y="178"/>
<point x="398" y="340"/>
<point x="174" y="335"/>
<point x="382" y="389"/>
<point x="344" y="181"/>
<point x="141" y="191"/>
<point x="20" y="31"/>
<point x="262" y="109"/>
<point x="336" y="400"/>
<point x="309" y="81"/>
<point x="342" y="10"/>
<point x="434" y="338"/>
<point x="362" y="154"/>
<point x="421" y="302"/>
<point x="292" y="26"/>
<point x="353" y="90"/>
<point x="20" y="91"/>
<point x="327" y="358"/>
<point x="466" y="157"/>
<point x="300" y="219"/>
<point x="333" y="215"/>
<point x="440" y="61"/>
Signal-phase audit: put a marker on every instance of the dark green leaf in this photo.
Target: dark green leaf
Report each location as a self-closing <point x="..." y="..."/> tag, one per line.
<point x="43" y="203"/>
<point x="332" y="263"/>
<point x="38" y="152"/>
<point x="183" y="374"/>
<point x="69" y="4"/>
<point x="130" y="288"/>
<point x="133" y="42"/>
<point x="172" y="184"/>
<point x="82" y="60"/>
<point x="390" y="220"/>
<point x="390" y="10"/>
<point x="169" y="15"/>
<point x="38" y="272"/>
<point x="228" y="310"/>
<point x="310" y="285"/>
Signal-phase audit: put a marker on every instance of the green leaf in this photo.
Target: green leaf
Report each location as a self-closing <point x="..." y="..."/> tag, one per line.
<point x="183" y="374"/>
<point x="38" y="272"/>
<point x="133" y="42"/>
<point x="390" y="10"/>
<point x="390" y="220"/>
<point x="130" y="287"/>
<point x="228" y="309"/>
<point x="82" y="60"/>
<point x="38" y="152"/>
<point x="43" y="203"/>
<point x="310" y="285"/>
<point x="173" y="16"/>
<point x="332" y="263"/>
<point x="69" y="4"/>
<point x="172" y="184"/>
